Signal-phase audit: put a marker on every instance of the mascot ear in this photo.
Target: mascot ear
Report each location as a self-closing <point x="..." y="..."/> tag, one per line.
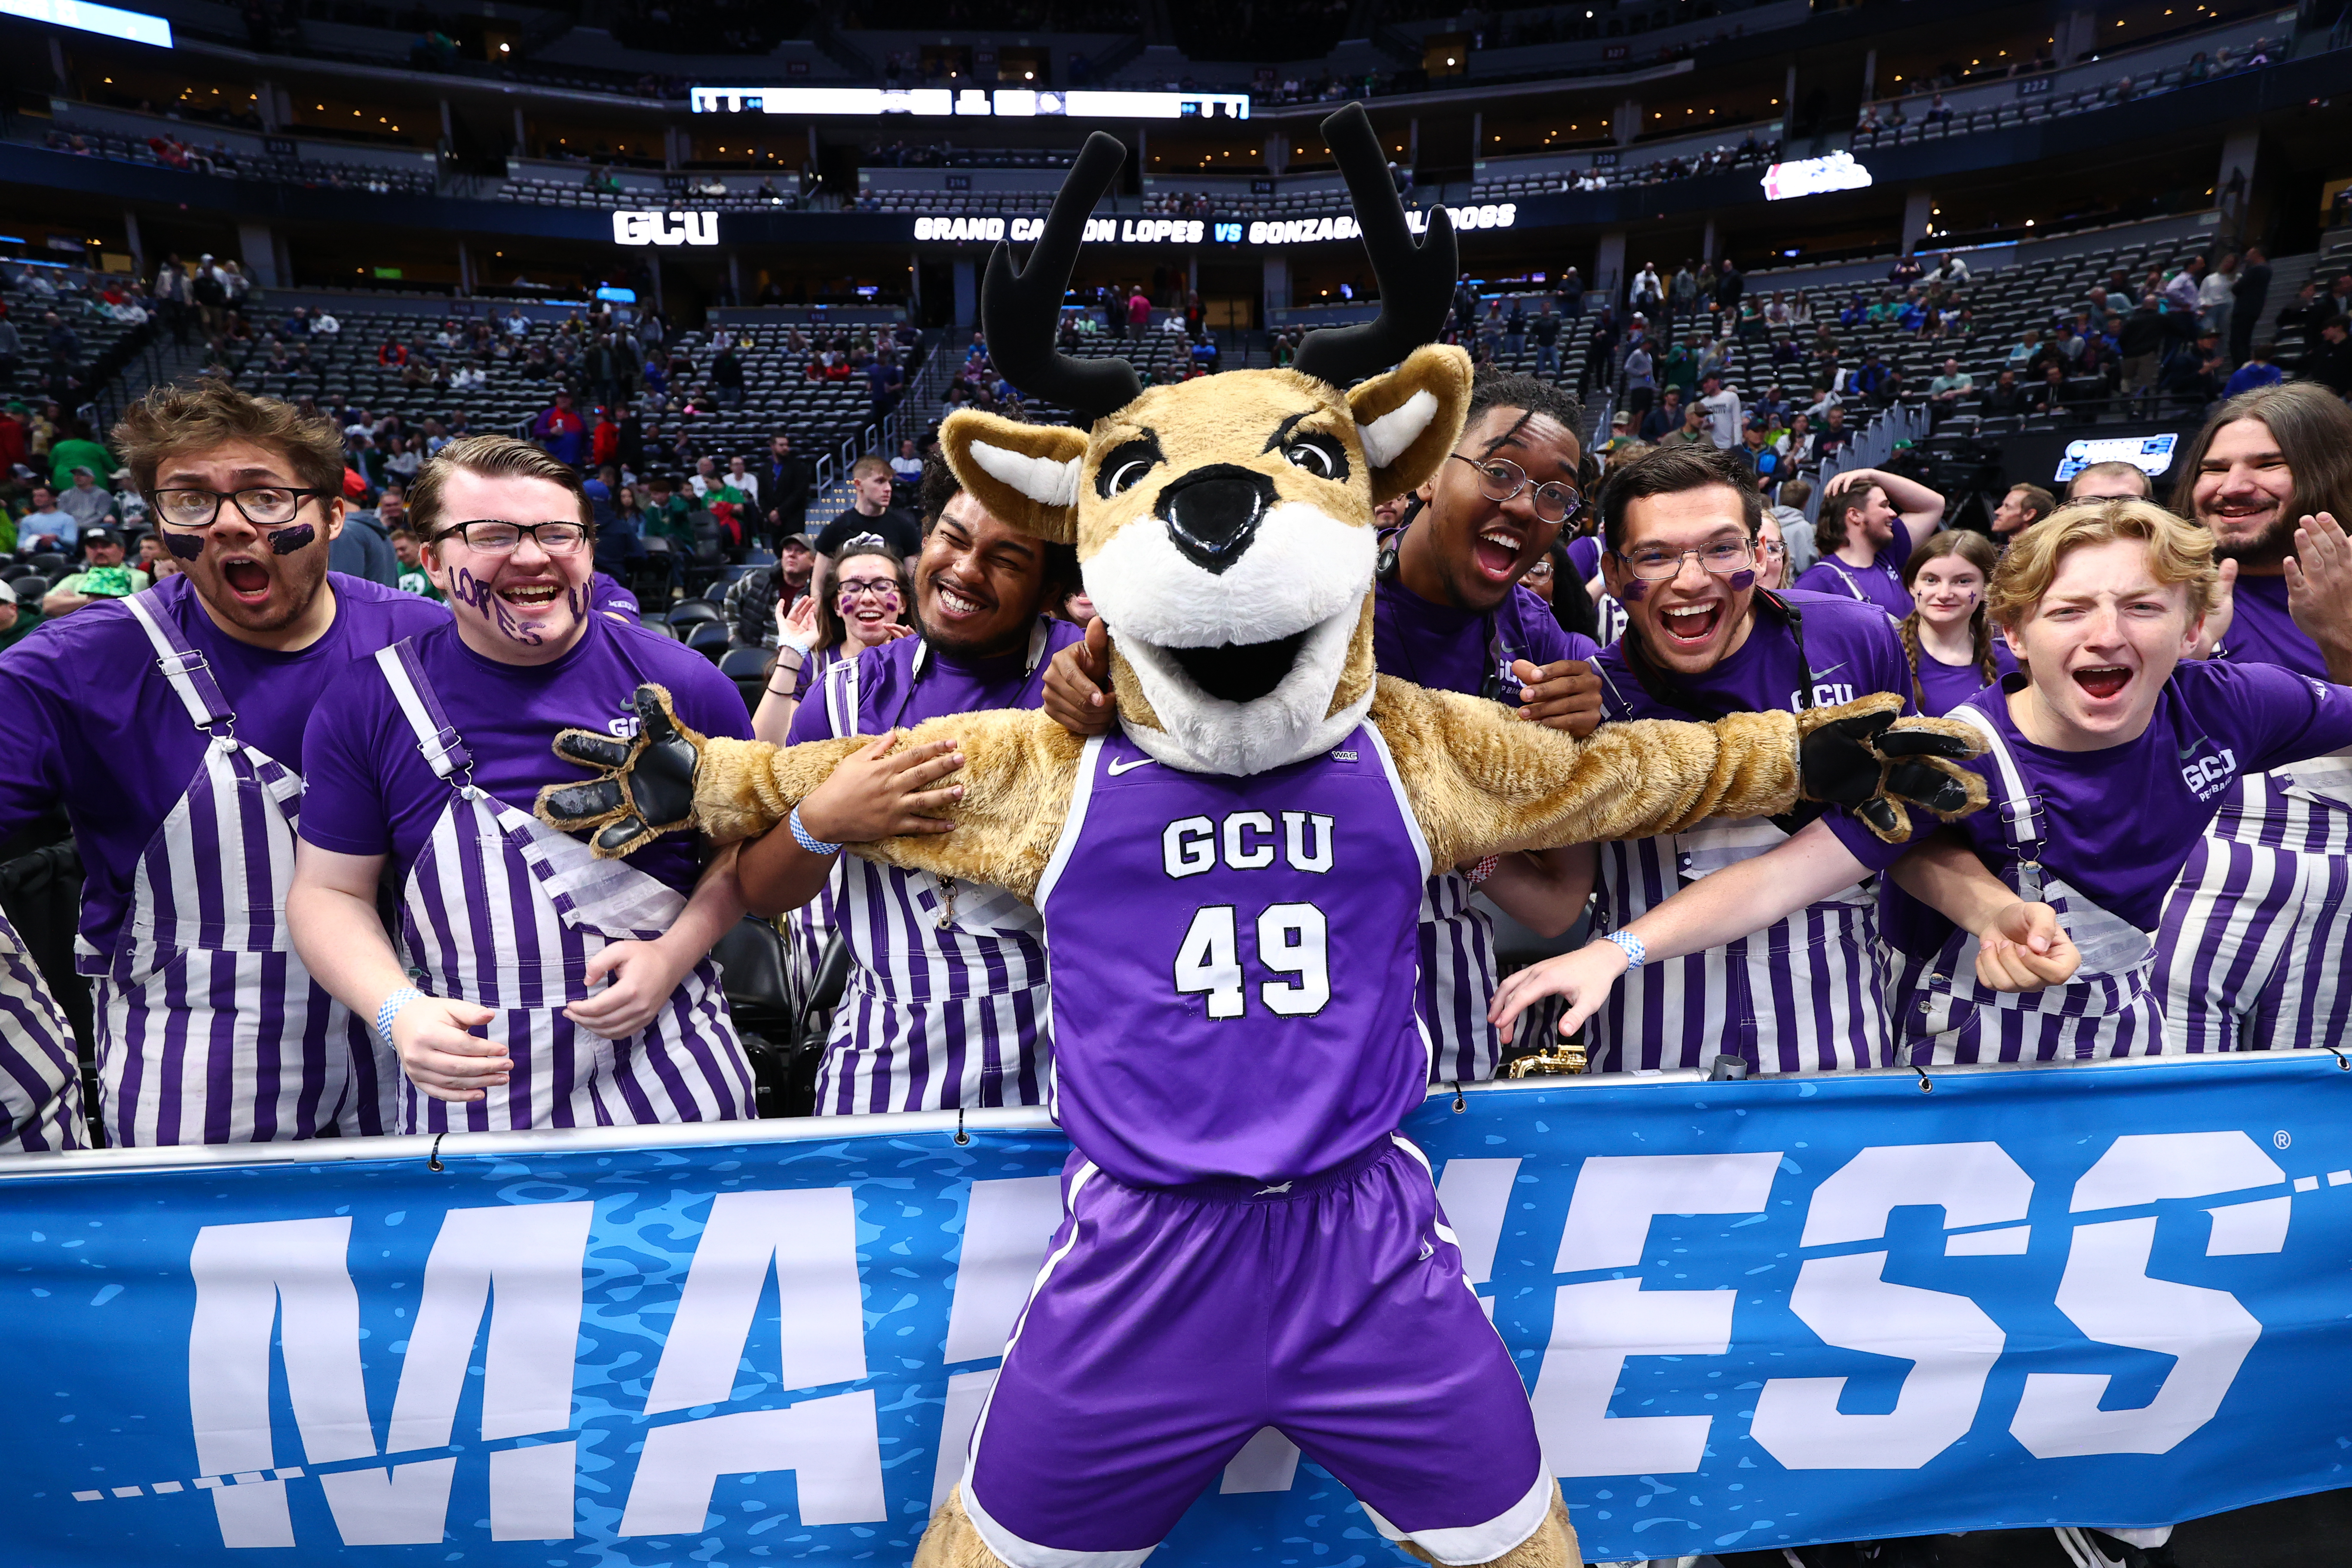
<point x="1026" y="474"/>
<point x="1409" y="417"/>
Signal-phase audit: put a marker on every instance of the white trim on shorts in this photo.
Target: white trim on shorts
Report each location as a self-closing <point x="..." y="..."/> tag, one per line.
<point x="1463" y="1544"/>
<point x="1016" y="1552"/>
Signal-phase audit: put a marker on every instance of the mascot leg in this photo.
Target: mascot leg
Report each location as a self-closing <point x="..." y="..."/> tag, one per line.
<point x="952" y="1541"/>
<point x="1553" y="1545"/>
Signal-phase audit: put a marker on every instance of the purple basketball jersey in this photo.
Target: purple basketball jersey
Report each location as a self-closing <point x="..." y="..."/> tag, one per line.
<point x="1203" y="1030"/>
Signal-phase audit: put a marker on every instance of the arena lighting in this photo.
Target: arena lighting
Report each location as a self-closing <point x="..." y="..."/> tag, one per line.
<point x="941" y="103"/>
<point x="1812" y="176"/>
<point x="664" y="228"/>
<point x="86" y="16"/>
<point x="1195" y="231"/>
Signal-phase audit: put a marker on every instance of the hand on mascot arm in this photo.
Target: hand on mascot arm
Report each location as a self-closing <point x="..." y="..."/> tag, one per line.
<point x="1562" y="695"/>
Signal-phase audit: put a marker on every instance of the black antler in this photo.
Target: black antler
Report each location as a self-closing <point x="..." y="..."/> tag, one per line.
<point x="1416" y="281"/>
<point x="1020" y="310"/>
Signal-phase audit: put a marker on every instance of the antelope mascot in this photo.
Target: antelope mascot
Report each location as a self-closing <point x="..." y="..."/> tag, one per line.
<point x="1229" y="883"/>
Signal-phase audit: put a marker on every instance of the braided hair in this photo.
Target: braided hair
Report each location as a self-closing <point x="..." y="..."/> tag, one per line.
<point x="1977" y="551"/>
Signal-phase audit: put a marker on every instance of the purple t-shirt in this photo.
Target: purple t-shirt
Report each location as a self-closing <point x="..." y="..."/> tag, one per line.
<point x="371" y="791"/>
<point x="1880" y="583"/>
<point x="606" y="596"/>
<point x="1851" y="647"/>
<point x="1946" y="686"/>
<point x="2262" y="632"/>
<point x="1584" y="554"/>
<point x="892" y="694"/>
<point x="93" y="724"/>
<point x="1446" y="649"/>
<point x="2118" y="823"/>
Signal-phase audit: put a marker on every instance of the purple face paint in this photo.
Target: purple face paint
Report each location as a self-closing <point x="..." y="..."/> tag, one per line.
<point x="471" y="591"/>
<point x="186" y="546"/>
<point x="1636" y="590"/>
<point x="286" y="541"/>
<point x="1740" y="580"/>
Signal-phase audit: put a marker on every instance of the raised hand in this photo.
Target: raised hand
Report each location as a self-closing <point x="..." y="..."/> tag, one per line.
<point x="2319" y="589"/>
<point x="2219" y="614"/>
<point x="647" y="783"/>
<point x="1078" y="684"/>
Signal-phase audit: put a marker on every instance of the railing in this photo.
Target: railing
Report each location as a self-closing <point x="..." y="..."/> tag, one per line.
<point x="1903" y="422"/>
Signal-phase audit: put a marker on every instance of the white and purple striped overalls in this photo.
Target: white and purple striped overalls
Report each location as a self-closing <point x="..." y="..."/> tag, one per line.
<point x="2108" y="1009"/>
<point x="947" y="1003"/>
<point x="2256" y="939"/>
<point x="40" y="1082"/>
<point x="505" y="912"/>
<point x="209" y="1028"/>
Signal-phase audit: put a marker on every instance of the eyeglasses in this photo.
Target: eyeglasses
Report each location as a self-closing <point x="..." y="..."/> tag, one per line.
<point x="264" y="506"/>
<point x="1771" y="553"/>
<point x="1657" y="563"/>
<point x="491" y="536"/>
<point x="1500" y="479"/>
<point x="882" y="588"/>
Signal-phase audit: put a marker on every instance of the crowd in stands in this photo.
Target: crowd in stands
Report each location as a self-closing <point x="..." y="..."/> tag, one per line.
<point x="1892" y="123"/>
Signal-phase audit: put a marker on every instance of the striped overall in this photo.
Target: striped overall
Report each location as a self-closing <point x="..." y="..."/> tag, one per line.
<point x="947" y="1002"/>
<point x="1803" y="995"/>
<point x="505" y="912"/>
<point x="2108" y="1009"/>
<point x="1457" y="981"/>
<point x="209" y="1028"/>
<point x="40" y="1081"/>
<point x="2257" y="932"/>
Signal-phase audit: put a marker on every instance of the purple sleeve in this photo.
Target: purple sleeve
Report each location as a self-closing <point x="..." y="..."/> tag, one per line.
<point x="2277" y="715"/>
<point x="32" y="769"/>
<point x="344" y="808"/>
<point x="811" y="721"/>
<point x="708" y="701"/>
<point x="1546" y="641"/>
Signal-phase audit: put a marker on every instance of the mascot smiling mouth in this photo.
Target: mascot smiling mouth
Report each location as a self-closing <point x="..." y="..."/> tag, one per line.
<point x="1239" y="672"/>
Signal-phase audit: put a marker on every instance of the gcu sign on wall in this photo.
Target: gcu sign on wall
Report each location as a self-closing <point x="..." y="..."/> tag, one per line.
<point x="1750" y="1315"/>
<point x="664" y="228"/>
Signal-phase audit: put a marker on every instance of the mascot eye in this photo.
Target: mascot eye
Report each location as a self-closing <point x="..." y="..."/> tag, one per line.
<point x="1320" y="456"/>
<point x="1124" y="467"/>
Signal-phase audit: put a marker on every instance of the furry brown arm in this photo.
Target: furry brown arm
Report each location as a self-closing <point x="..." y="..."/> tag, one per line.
<point x="1482" y="783"/>
<point x="1019" y="768"/>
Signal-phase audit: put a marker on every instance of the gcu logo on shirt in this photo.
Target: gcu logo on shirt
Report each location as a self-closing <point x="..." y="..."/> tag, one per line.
<point x="1189" y="846"/>
<point x="1827" y="693"/>
<point x="2208" y="776"/>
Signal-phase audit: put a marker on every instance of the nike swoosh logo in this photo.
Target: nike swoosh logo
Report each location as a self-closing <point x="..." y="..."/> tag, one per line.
<point x="1832" y="669"/>
<point x="2193" y="747"/>
<point x="1118" y="768"/>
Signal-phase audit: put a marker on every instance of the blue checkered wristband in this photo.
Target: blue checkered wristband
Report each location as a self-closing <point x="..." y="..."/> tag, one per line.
<point x="1635" y="949"/>
<point x="807" y="840"/>
<point x="390" y="1009"/>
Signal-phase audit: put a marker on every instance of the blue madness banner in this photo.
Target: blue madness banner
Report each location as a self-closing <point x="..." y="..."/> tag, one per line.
<point x="1750" y="1315"/>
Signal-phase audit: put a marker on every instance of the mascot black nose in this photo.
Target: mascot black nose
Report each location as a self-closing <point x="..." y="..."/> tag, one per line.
<point x="1213" y="513"/>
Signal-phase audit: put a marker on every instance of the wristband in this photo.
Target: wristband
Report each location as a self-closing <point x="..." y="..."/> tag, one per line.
<point x="1634" y="948"/>
<point x="390" y="1009"/>
<point x="1482" y="870"/>
<point x="807" y="840"/>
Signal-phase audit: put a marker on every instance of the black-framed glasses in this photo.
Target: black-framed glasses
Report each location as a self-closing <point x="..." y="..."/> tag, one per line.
<point x="264" y="506"/>
<point x="1500" y="479"/>
<point x="495" y="536"/>
<point x="1657" y="563"/>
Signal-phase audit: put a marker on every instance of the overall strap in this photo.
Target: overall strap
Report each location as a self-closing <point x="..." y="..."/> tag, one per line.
<point x="184" y="667"/>
<point x="1845" y="575"/>
<point x="840" y="679"/>
<point x="2022" y="821"/>
<point x="443" y="749"/>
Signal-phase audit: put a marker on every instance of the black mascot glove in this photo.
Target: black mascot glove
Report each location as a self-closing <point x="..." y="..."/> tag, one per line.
<point x="1865" y="756"/>
<point x="648" y="787"/>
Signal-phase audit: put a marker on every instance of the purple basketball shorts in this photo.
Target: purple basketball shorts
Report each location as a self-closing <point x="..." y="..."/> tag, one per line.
<point x="1168" y="1327"/>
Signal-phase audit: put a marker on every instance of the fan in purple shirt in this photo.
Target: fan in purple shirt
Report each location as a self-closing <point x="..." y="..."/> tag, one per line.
<point x="2106" y="765"/>
<point x="2256" y="943"/>
<point x="1870" y="523"/>
<point x="1948" y="636"/>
